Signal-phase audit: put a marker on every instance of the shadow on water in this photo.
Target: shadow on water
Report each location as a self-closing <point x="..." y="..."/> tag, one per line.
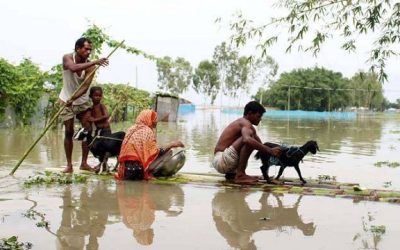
<point x="237" y="222"/>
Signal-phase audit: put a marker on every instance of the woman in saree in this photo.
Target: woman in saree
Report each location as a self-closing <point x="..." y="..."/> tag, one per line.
<point x="140" y="155"/>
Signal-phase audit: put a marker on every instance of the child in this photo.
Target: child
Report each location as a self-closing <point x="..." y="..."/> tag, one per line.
<point x="99" y="114"/>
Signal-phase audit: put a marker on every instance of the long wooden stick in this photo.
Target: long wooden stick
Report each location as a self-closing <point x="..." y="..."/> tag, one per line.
<point x="57" y="114"/>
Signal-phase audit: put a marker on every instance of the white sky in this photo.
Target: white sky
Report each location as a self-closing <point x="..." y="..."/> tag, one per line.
<point x="44" y="30"/>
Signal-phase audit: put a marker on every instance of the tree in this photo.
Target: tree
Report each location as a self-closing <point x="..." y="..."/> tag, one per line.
<point x="174" y="76"/>
<point x="206" y="80"/>
<point x="311" y="23"/>
<point x="308" y="89"/>
<point x="234" y="71"/>
<point x="367" y="91"/>
<point x="265" y="71"/>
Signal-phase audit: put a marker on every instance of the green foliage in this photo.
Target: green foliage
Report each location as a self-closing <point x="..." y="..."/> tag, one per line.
<point x="315" y="89"/>
<point x="21" y="88"/>
<point x="311" y="23"/>
<point x="234" y="71"/>
<point x="206" y="80"/>
<point x="8" y="76"/>
<point x="12" y="243"/>
<point x="174" y="76"/>
<point x="54" y="81"/>
<point x="117" y="98"/>
<point x="367" y="91"/>
<point x="99" y="38"/>
<point x="33" y="214"/>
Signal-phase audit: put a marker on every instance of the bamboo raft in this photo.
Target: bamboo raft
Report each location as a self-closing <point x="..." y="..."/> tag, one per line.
<point x="291" y="186"/>
<point x="330" y="188"/>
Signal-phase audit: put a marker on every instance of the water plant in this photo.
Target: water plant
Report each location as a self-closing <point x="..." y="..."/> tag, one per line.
<point x="326" y="178"/>
<point x="48" y="178"/>
<point x="393" y="164"/>
<point x="12" y="243"/>
<point x="33" y="214"/>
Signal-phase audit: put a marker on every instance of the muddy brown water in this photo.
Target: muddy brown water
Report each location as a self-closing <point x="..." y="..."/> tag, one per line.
<point x="136" y="215"/>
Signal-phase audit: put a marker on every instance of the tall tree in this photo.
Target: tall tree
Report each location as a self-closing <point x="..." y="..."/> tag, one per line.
<point x="264" y="72"/>
<point x="174" y="76"/>
<point x="234" y="71"/>
<point x="206" y="80"/>
<point x="311" y="23"/>
<point x="367" y="91"/>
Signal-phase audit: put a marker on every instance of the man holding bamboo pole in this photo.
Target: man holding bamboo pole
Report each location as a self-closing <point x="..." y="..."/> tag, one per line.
<point x="76" y="66"/>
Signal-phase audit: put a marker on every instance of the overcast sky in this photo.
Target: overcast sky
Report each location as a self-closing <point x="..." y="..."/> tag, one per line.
<point x="44" y="30"/>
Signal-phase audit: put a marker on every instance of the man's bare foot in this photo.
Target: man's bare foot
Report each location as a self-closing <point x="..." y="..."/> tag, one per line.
<point x="67" y="170"/>
<point x="86" y="167"/>
<point x="245" y="179"/>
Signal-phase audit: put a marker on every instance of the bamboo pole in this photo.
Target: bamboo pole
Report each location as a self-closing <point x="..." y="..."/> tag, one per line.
<point x="57" y="114"/>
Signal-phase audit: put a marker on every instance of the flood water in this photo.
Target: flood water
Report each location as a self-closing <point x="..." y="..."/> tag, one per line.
<point x="136" y="215"/>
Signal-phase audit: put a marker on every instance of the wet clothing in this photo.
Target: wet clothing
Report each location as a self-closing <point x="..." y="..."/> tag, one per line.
<point x="140" y="144"/>
<point x="71" y="111"/>
<point x="226" y="161"/>
<point x="72" y="82"/>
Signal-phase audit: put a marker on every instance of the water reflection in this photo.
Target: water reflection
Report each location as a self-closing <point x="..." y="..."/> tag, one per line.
<point x="138" y="202"/>
<point x="85" y="216"/>
<point x="237" y="222"/>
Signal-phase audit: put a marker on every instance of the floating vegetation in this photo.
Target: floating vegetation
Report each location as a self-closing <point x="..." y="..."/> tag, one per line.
<point x="48" y="178"/>
<point x="378" y="230"/>
<point x="12" y="243"/>
<point x="326" y="178"/>
<point x="387" y="184"/>
<point x="33" y="214"/>
<point x="395" y="131"/>
<point x="393" y="164"/>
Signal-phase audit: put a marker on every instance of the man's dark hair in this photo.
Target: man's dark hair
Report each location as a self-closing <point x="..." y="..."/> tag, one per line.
<point x="94" y="89"/>
<point x="81" y="42"/>
<point x="254" y="107"/>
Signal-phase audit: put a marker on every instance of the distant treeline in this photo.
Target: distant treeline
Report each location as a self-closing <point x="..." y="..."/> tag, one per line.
<point x="320" y="89"/>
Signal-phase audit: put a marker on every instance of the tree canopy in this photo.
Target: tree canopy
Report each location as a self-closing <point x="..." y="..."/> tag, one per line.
<point x="319" y="89"/>
<point x="309" y="24"/>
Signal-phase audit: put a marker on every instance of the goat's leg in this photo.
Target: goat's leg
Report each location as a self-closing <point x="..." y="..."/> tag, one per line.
<point x="105" y="163"/>
<point x="264" y="171"/>
<point x="280" y="172"/>
<point x="299" y="173"/>
<point x="116" y="166"/>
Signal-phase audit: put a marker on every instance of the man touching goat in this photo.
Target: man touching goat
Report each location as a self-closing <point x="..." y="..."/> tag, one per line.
<point x="237" y="142"/>
<point x="290" y="157"/>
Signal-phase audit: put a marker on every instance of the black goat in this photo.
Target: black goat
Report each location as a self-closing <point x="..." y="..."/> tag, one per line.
<point x="102" y="147"/>
<point x="290" y="157"/>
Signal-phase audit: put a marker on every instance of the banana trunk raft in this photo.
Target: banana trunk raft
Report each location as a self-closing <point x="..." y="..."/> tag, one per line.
<point x="325" y="187"/>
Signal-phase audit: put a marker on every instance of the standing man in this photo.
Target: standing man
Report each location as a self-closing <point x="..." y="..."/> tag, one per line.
<point x="237" y="142"/>
<point x="77" y="67"/>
